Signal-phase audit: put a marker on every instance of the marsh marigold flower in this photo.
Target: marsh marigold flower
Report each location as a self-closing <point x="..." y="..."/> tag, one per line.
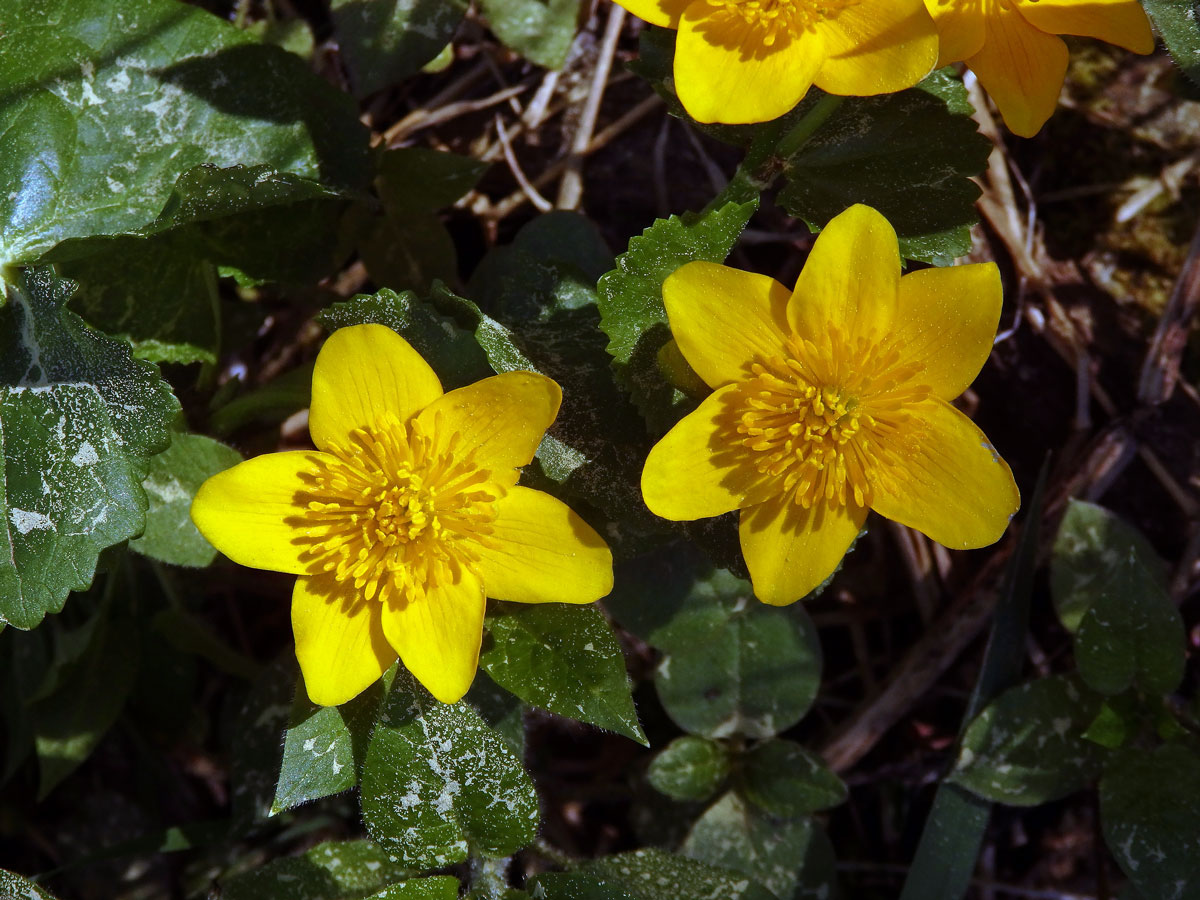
<point x="405" y="517"/>
<point x="739" y="61"/>
<point x="1013" y="48"/>
<point x="831" y="400"/>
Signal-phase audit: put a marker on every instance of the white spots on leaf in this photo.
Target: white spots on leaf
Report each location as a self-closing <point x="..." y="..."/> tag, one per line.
<point x="25" y="520"/>
<point x="86" y="455"/>
<point x="170" y="491"/>
<point x="119" y="82"/>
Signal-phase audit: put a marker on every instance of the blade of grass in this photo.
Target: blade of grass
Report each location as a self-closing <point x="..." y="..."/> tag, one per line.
<point x="949" y="847"/>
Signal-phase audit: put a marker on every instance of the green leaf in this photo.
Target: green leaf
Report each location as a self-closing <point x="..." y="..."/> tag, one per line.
<point x="734" y="666"/>
<point x="157" y="286"/>
<point x="503" y="712"/>
<point x="385" y="41"/>
<point x="79" y="420"/>
<point x="335" y="870"/>
<point x="563" y="658"/>
<point x="784" y="779"/>
<point x="154" y="293"/>
<point x="543" y="287"/>
<point x="437" y="887"/>
<point x="910" y="155"/>
<point x="100" y="114"/>
<point x="405" y="245"/>
<point x="325" y="746"/>
<point x="417" y="179"/>
<point x="256" y="745"/>
<point x="1151" y="820"/>
<point x="540" y="30"/>
<point x="293" y="35"/>
<point x="19" y="888"/>
<point x="690" y="768"/>
<point x="576" y="886"/>
<point x="1116" y="723"/>
<point x="452" y="351"/>
<point x="271" y="225"/>
<point x="408" y="250"/>
<point x="1177" y="23"/>
<point x="1109" y="588"/>
<point x="782" y="855"/>
<point x="86" y="699"/>
<point x="1027" y="746"/>
<point x="631" y="307"/>
<point x="551" y="266"/>
<point x="653" y="874"/>
<point x="438" y="784"/>
<point x="175" y="476"/>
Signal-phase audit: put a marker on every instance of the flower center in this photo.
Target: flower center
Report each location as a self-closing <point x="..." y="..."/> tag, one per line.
<point x="776" y="18"/>
<point x="818" y="419"/>
<point x="396" y="512"/>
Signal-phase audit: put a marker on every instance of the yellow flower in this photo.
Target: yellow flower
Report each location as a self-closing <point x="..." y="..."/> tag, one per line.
<point x="1012" y="48"/>
<point x="739" y="61"/>
<point x="404" y="518"/>
<point x="831" y="400"/>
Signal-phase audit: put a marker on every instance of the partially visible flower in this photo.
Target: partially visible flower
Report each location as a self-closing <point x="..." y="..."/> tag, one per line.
<point x="1012" y="48"/>
<point x="831" y="400"/>
<point x="406" y="516"/>
<point x="739" y="61"/>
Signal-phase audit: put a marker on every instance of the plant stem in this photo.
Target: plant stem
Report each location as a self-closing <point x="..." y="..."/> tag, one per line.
<point x="809" y="125"/>
<point x="760" y="167"/>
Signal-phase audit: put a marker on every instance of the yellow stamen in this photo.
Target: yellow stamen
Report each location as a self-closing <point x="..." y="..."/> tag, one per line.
<point x="818" y="419"/>
<point x="396" y="512"/>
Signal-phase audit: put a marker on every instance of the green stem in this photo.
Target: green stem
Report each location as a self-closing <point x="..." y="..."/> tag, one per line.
<point x="809" y="125"/>
<point x="760" y="167"/>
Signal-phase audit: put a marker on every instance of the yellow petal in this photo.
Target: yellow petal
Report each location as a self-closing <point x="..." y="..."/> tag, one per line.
<point x="791" y="550"/>
<point x="1120" y="22"/>
<point x="438" y="636"/>
<point x="877" y="48"/>
<point x="724" y="72"/>
<point x="723" y="319"/>
<point x="945" y="479"/>
<point x="657" y="12"/>
<point x="540" y="551"/>
<point x="502" y="419"/>
<point x="361" y="373"/>
<point x="695" y="471"/>
<point x="946" y="319"/>
<point x="850" y="280"/>
<point x="1021" y="68"/>
<point x="254" y="513"/>
<point x="339" y="640"/>
<point x="960" y="25"/>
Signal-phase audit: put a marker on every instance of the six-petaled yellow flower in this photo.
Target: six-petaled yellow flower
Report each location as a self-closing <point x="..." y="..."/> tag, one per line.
<point x="1012" y="47"/>
<point x="831" y="400"/>
<point x="739" y="61"/>
<point x="405" y="518"/>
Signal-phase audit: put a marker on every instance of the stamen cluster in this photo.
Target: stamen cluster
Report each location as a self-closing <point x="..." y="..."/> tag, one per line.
<point x="818" y="420"/>
<point x="782" y="18"/>
<point x="396" y="513"/>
